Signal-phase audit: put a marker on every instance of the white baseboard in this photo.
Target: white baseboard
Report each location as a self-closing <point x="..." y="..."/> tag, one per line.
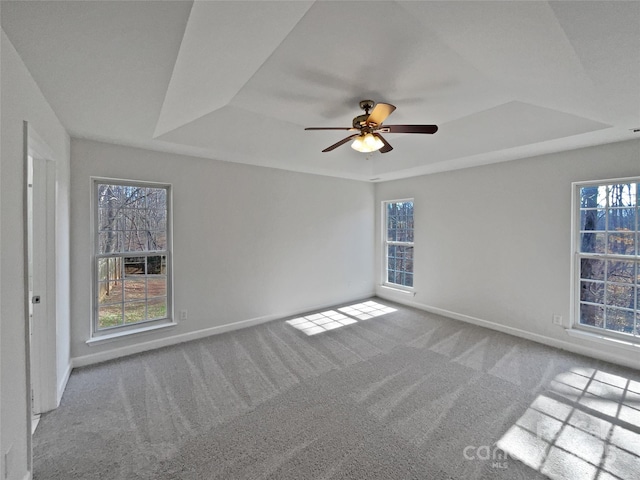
<point x="196" y="335"/>
<point x="62" y="384"/>
<point x="621" y="359"/>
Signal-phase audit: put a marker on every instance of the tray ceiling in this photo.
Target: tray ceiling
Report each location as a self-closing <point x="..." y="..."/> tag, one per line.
<point x="239" y="81"/>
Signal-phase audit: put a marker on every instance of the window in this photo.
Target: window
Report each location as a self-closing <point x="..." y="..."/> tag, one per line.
<point x="132" y="266"/>
<point x="607" y="275"/>
<point x="398" y="243"/>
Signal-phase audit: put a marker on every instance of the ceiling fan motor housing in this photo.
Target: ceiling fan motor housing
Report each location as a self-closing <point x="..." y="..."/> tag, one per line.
<point x="361" y="120"/>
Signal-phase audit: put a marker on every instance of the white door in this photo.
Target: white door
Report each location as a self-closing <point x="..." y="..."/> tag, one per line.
<point x="40" y="275"/>
<point x="37" y="262"/>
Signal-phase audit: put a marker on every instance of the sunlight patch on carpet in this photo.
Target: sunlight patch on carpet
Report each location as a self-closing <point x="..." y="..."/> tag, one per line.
<point x="330" y="320"/>
<point x="586" y="426"/>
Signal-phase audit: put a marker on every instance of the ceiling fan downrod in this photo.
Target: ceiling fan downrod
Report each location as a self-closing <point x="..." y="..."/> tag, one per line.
<point x="367" y="105"/>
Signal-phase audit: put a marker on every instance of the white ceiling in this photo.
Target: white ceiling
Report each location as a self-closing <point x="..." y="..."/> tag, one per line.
<point x="238" y="80"/>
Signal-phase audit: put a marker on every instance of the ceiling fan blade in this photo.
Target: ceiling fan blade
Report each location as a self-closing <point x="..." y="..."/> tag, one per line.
<point x="332" y="128"/>
<point x="410" y="128"/>
<point x="341" y="142"/>
<point x="380" y="112"/>
<point x="387" y="147"/>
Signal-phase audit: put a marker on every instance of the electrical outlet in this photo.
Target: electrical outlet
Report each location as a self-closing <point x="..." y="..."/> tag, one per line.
<point x="557" y="319"/>
<point x="183" y="314"/>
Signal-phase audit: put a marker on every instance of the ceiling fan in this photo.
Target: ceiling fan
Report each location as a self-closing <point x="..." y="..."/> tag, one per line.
<point x="369" y="127"/>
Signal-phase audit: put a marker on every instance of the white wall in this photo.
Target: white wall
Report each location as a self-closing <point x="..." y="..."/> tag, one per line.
<point x="2" y="466"/>
<point x="493" y="243"/>
<point x="250" y="243"/>
<point x="63" y="274"/>
<point x="22" y="100"/>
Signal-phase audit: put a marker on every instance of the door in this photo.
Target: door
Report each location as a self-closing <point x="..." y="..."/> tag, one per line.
<point x="39" y="278"/>
<point x="37" y="237"/>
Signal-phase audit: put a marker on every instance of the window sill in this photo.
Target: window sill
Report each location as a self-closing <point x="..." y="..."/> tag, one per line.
<point x="603" y="339"/>
<point x="397" y="289"/>
<point x="111" y="337"/>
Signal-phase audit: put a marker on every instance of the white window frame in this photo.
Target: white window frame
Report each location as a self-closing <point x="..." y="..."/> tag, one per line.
<point x="386" y="243"/>
<point x="587" y="331"/>
<point x="111" y="333"/>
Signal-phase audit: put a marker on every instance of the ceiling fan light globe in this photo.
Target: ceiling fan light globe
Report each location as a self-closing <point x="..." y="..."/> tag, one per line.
<point x="367" y="143"/>
<point x="373" y="142"/>
<point x="358" y="144"/>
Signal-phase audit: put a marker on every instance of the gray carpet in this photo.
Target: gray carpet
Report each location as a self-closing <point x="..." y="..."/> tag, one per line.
<point x="405" y="395"/>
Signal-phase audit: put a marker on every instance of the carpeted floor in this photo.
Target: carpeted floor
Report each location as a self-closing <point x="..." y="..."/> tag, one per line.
<point x="402" y="395"/>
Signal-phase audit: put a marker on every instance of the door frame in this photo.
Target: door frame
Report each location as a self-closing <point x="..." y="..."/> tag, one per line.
<point x="42" y="340"/>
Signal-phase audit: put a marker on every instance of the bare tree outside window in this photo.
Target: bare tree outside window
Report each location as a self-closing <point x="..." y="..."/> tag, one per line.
<point x="399" y="242"/>
<point x="131" y="254"/>
<point x="608" y="255"/>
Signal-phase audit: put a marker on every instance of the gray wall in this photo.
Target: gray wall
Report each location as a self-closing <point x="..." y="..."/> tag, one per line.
<point x="493" y="243"/>
<point x="22" y="100"/>
<point x="250" y="243"/>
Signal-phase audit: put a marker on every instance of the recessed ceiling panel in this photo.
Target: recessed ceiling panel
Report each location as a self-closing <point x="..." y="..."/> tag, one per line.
<point x="238" y="135"/>
<point x="606" y="39"/>
<point x="223" y="45"/>
<point x="521" y="46"/>
<point x="507" y="41"/>
<point x="511" y="125"/>
<point x="103" y="66"/>
<point x="344" y="52"/>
